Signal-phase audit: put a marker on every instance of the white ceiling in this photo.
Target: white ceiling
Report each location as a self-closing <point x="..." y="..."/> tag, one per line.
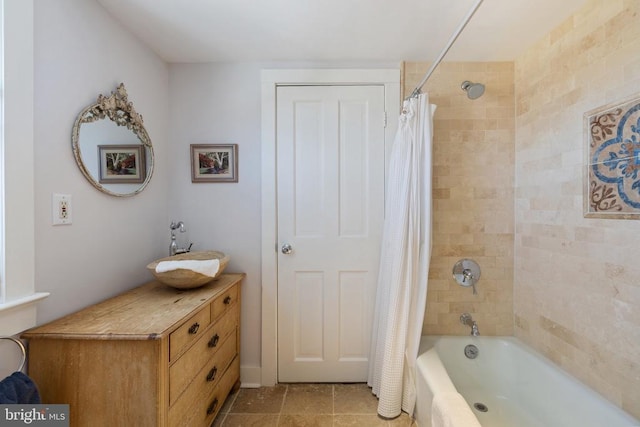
<point x="337" y="30"/>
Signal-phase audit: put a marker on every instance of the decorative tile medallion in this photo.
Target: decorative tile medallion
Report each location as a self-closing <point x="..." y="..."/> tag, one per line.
<point x="612" y="176"/>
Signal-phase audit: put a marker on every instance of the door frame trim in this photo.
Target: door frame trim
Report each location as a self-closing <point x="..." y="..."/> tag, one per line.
<point x="271" y="79"/>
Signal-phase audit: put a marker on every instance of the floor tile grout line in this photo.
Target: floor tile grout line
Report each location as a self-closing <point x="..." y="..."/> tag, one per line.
<point x="284" y="398"/>
<point x="333" y="405"/>
<point x="224" y="414"/>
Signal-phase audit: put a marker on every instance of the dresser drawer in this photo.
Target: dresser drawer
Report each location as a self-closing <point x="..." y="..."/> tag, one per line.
<point x="204" y="411"/>
<point x="205" y="381"/>
<point x="224" y="302"/>
<point x="190" y="330"/>
<point x="184" y="370"/>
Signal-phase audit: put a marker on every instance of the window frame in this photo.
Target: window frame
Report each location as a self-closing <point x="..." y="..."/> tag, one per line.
<point x="17" y="203"/>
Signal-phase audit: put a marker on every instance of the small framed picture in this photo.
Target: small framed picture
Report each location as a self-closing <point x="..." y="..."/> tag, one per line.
<point x="121" y="164"/>
<point x="214" y="162"/>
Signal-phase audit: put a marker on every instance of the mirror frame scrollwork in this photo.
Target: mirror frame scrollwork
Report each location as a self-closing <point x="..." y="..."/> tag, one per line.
<point x="117" y="108"/>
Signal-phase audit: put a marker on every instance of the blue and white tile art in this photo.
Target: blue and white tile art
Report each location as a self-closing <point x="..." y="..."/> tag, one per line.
<point x="613" y="160"/>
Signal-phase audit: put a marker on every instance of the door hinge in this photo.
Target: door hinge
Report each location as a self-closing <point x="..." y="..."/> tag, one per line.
<point x="384" y="119"/>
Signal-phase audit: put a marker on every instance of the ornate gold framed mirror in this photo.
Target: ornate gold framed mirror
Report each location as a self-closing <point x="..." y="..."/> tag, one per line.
<point x="111" y="145"/>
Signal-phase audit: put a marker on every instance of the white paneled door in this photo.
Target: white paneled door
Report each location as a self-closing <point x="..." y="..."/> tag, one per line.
<point x="330" y="189"/>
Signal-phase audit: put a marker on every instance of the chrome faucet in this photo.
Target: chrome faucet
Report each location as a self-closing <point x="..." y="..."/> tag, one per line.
<point x="173" y="246"/>
<point x="467" y="274"/>
<point x="466" y="319"/>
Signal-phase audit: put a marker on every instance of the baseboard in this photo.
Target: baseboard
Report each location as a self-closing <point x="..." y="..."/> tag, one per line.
<point x="250" y="376"/>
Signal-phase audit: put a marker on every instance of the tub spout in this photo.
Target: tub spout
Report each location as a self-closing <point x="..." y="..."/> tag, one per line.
<point x="474" y="329"/>
<point x="466" y="319"/>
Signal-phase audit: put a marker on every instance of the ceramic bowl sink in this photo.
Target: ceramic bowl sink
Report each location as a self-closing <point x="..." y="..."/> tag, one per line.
<point x="184" y="278"/>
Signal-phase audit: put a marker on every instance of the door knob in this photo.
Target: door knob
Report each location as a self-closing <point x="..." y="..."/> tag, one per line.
<point x="287" y="249"/>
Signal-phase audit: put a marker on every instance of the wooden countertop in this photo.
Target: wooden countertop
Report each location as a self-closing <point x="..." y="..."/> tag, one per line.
<point x="164" y="307"/>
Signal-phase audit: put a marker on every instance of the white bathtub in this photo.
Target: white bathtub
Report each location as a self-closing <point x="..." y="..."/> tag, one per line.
<point x="518" y="386"/>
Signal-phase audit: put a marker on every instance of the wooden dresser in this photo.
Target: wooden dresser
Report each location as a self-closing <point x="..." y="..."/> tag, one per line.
<point x="153" y="356"/>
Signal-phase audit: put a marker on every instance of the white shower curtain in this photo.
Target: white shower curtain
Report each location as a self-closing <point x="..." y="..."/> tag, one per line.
<point x="404" y="262"/>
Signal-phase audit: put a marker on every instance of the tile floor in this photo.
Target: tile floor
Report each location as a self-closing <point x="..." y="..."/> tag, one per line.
<point x="308" y="405"/>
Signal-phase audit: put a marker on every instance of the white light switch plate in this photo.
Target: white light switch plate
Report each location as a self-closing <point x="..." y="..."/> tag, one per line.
<point x="61" y="209"/>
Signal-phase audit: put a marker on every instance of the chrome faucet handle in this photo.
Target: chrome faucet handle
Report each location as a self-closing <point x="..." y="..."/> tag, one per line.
<point x="467" y="274"/>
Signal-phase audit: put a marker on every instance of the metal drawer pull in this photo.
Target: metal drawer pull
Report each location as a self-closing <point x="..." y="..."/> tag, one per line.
<point x="212" y="374"/>
<point x="212" y="407"/>
<point x="213" y="341"/>
<point x="227" y="300"/>
<point x="194" y="328"/>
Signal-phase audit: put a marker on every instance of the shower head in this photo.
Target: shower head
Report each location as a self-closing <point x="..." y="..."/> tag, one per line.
<point x="474" y="90"/>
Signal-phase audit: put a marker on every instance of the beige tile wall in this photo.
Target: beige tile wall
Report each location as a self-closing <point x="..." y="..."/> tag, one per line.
<point x="473" y="158"/>
<point x="577" y="280"/>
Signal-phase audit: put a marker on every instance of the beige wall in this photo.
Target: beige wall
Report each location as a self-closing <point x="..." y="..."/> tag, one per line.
<point x="577" y="280"/>
<point x="473" y="155"/>
<point x="568" y="286"/>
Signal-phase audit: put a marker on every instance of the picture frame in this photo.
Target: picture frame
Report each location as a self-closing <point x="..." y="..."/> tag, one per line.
<point x="121" y="164"/>
<point x="214" y="163"/>
<point x="612" y="160"/>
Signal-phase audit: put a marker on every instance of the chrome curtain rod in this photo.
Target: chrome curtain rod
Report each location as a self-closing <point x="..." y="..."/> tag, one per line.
<point x="453" y="38"/>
